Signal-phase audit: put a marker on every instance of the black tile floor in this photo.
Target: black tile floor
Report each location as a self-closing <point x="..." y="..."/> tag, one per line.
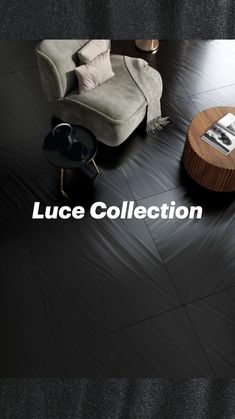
<point x="124" y="298"/>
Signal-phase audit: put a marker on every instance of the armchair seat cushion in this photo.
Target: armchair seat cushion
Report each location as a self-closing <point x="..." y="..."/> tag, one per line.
<point x="112" y="111"/>
<point x="118" y="99"/>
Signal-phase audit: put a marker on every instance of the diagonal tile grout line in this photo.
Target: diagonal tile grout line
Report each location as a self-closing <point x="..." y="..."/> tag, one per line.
<point x="129" y="325"/>
<point x="184" y="88"/>
<point x="111" y="332"/>
<point x="157" y="194"/>
<point x="147" y="226"/>
<point x="33" y="266"/>
<point x="183" y="306"/>
<point x="45" y="305"/>
<point x="210" y="90"/>
<point x="177" y="293"/>
<point x="132" y="324"/>
<point x="19" y="71"/>
<point x="10" y="146"/>
<point x="208" y="296"/>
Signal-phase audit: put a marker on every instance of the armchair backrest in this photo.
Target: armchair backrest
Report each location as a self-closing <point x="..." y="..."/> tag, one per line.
<point x="57" y="59"/>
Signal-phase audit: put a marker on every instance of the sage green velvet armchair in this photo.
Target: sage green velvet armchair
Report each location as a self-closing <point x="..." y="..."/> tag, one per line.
<point x="111" y="111"/>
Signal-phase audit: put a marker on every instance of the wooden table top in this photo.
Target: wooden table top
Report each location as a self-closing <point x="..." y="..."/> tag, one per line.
<point x="199" y="125"/>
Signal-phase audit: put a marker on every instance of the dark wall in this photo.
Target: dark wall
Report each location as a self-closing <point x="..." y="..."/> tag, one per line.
<point x="117" y="399"/>
<point x="117" y="19"/>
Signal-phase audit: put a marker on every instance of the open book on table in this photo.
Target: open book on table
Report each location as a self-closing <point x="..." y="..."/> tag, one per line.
<point x="222" y="134"/>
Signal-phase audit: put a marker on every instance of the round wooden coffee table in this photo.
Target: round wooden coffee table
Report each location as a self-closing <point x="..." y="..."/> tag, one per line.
<point x="207" y="166"/>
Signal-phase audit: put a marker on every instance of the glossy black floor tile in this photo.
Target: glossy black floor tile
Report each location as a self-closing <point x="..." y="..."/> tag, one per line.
<point x="168" y="62"/>
<point x="105" y="265"/>
<point x="119" y="281"/>
<point x="86" y="366"/>
<point x="197" y="253"/>
<point x="206" y="66"/>
<point x="214" y="321"/>
<point x="24" y="110"/>
<point x="30" y="176"/>
<point x="223" y="96"/>
<point x="55" y="365"/>
<point x="154" y="164"/>
<point x="180" y="111"/>
<point x="9" y="225"/>
<point x="16" y="56"/>
<point x="25" y="332"/>
<point x="101" y="297"/>
<point x="165" y="346"/>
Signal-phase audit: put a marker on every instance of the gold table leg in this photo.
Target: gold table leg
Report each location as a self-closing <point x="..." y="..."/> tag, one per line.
<point x="64" y="194"/>
<point x="96" y="167"/>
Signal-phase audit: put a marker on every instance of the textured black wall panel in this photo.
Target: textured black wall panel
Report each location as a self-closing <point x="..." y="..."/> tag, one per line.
<point x="117" y="399"/>
<point x="117" y="19"/>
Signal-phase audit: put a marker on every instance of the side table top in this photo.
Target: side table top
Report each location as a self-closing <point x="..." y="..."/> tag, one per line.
<point x="70" y="152"/>
<point x="199" y="125"/>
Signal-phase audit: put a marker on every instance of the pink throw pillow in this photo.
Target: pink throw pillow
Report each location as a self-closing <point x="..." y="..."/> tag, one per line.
<point x="90" y="51"/>
<point x="95" y="72"/>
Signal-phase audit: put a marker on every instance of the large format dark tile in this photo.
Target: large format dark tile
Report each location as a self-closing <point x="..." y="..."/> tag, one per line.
<point x="99" y="298"/>
<point x="167" y="61"/>
<point x="96" y="275"/>
<point x="9" y="222"/>
<point x="223" y="96"/>
<point x="197" y="253"/>
<point x="165" y="346"/>
<point x="23" y="107"/>
<point x="206" y="65"/>
<point x="57" y="365"/>
<point x="214" y="321"/>
<point x="30" y="176"/>
<point x="180" y="111"/>
<point x="154" y="164"/>
<point x="101" y="277"/>
<point x="25" y="332"/>
<point x="16" y="55"/>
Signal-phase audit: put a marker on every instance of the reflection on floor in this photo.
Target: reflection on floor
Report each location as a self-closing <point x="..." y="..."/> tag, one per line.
<point x="128" y="297"/>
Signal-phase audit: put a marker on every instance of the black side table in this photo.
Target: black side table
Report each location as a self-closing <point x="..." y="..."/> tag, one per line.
<point x="71" y="152"/>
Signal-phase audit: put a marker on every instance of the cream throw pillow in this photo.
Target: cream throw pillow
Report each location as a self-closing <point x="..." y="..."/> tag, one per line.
<point x="95" y="73"/>
<point x="90" y="51"/>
